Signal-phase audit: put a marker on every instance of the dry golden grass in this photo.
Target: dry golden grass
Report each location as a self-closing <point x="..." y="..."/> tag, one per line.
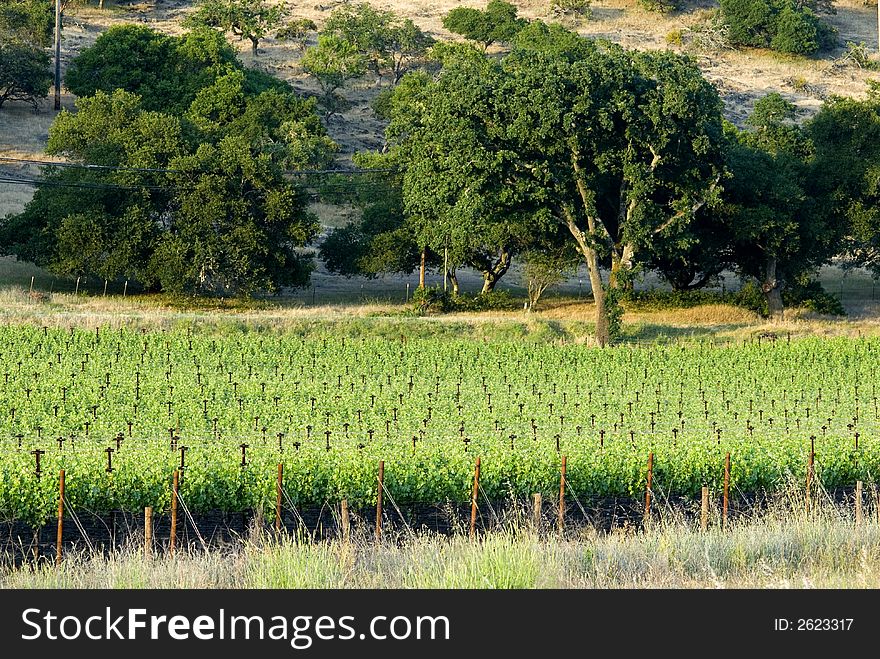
<point x="742" y="76"/>
<point x="780" y="548"/>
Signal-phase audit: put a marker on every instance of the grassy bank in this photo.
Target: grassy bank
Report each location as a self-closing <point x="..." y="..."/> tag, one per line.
<point x="782" y="548"/>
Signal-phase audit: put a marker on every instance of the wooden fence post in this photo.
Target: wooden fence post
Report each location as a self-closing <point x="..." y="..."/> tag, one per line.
<point x="704" y="509"/>
<point x="858" y="503"/>
<point x="536" y="511"/>
<point x="476" y="491"/>
<point x="60" y="517"/>
<point x="173" y="542"/>
<point x="650" y="481"/>
<point x="345" y="521"/>
<point x="810" y="461"/>
<point x="278" y="490"/>
<point x="561" y="520"/>
<point x="379" y="500"/>
<point x="726" y="495"/>
<point x="148" y="532"/>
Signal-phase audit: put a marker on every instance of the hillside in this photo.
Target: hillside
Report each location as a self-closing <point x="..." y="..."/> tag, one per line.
<point x="741" y="77"/>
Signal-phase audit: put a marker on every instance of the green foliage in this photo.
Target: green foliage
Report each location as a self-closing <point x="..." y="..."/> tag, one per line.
<point x="217" y="215"/>
<point x="380" y="240"/>
<point x="614" y="310"/>
<point x="389" y="42"/>
<point x="499" y="153"/>
<point x="846" y="173"/>
<point x="807" y="293"/>
<point x="547" y="265"/>
<point x="24" y="73"/>
<point x="32" y="21"/>
<point x="166" y="72"/>
<point x="332" y="63"/>
<point x="661" y="6"/>
<point x="797" y="32"/>
<point x="857" y="54"/>
<point x="675" y="37"/>
<point x="783" y="25"/>
<point x="773" y="208"/>
<point x="297" y="31"/>
<point x="246" y="19"/>
<point x="498" y="23"/>
<point x="579" y="8"/>
<point x="433" y="299"/>
<point x="373" y="394"/>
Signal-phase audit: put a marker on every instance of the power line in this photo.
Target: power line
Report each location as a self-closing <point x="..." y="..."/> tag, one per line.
<point x="91" y="186"/>
<point x="161" y="170"/>
<point x="112" y="186"/>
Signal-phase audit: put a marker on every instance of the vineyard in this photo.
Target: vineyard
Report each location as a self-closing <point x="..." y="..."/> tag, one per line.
<point x="120" y="410"/>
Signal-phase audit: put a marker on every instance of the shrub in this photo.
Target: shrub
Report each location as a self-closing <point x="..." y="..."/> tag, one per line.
<point x="570" y="8"/>
<point x="807" y="294"/>
<point x="662" y="6"/>
<point x="810" y="295"/>
<point x="797" y="32"/>
<point x="783" y="25"/>
<point x="24" y="73"/>
<point x="675" y="37"/>
<point x="433" y="299"/>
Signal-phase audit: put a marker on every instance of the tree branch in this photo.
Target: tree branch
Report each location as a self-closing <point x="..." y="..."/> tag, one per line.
<point x="693" y="209"/>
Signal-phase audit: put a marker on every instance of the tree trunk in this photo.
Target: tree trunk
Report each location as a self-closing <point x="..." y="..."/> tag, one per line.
<point x="254" y="42"/>
<point x="621" y="267"/>
<point x="494" y="274"/>
<point x="57" y="80"/>
<point x="422" y="270"/>
<point x="602" y="330"/>
<point x="772" y="289"/>
<point x="453" y="279"/>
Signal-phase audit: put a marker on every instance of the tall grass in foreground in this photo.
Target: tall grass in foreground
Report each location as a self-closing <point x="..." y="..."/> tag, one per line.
<point x="781" y="548"/>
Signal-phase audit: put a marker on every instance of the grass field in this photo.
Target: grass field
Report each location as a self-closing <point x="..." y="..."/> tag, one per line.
<point x="783" y="548"/>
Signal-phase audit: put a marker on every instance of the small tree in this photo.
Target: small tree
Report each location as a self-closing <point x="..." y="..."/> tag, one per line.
<point x="24" y="73"/>
<point x="246" y="19"/>
<point x="661" y="6"/>
<point x="388" y="42"/>
<point x="407" y="45"/>
<point x="297" y="31"/>
<point x="787" y="26"/>
<point x="546" y="267"/>
<point x="28" y="20"/>
<point x="498" y="23"/>
<point x="333" y="62"/>
<point x="570" y="8"/>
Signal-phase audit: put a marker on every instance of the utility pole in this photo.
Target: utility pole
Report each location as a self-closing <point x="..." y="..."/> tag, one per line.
<point x="57" y="55"/>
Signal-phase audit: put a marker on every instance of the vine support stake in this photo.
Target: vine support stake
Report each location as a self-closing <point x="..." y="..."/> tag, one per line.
<point x="473" y="532"/>
<point x="345" y="521"/>
<point x="148" y="532"/>
<point x="278" y="489"/>
<point x="810" y="462"/>
<point x="726" y="496"/>
<point x="60" y="517"/>
<point x="704" y="509"/>
<point x="858" y="503"/>
<point x="173" y="542"/>
<point x="379" y="500"/>
<point x="648" y="484"/>
<point x="560" y="522"/>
